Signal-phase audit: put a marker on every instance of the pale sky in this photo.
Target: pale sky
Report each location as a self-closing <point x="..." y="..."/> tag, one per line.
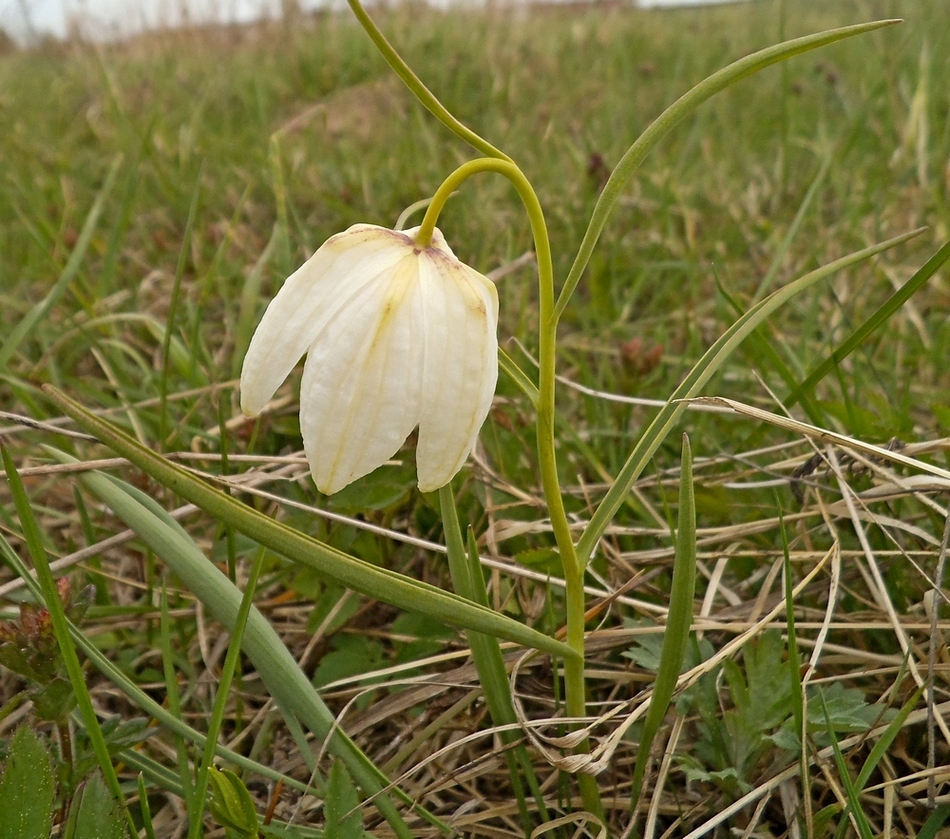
<point x="111" y="18"/>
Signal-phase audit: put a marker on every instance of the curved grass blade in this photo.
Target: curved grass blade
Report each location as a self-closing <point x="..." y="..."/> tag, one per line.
<point x="73" y="264"/>
<point x="278" y="669"/>
<point x="697" y="377"/>
<point x="877" y="320"/>
<point x="674" y="114"/>
<point x="387" y="586"/>
<point x="145" y="702"/>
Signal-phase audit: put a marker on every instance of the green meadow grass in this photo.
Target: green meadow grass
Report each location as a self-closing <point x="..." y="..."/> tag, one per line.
<point x="155" y="194"/>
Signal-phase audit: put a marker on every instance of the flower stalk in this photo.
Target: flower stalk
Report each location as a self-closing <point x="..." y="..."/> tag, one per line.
<point x="574" y="681"/>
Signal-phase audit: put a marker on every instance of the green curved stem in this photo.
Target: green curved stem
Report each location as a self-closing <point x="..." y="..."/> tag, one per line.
<point x="574" y="684"/>
<point x="547" y="334"/>
<point x="664" y="123"/>
<point x="418" y="89"/>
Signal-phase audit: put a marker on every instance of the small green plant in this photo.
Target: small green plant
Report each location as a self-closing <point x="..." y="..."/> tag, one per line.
<point x="28" y="647"/>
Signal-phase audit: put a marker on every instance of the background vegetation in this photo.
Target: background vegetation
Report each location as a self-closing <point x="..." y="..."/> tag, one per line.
<point x="154" y="195"/>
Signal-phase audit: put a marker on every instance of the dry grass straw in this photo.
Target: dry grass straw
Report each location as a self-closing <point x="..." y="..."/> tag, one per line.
<point x="426" y="724"/>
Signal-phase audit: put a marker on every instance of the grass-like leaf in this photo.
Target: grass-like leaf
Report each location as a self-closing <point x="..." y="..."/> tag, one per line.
<point x="851" y="790"/>
<point x="468" y="579"/>
<point x="697" y="377"/>
<point x="678" y="621"/>
<point x="219" y="712"/>
<point x="387" y="586"/>
<point x="665" y="122"/>
<point x="880" y="317"/>
<point x="34" y="542"/>
<point x="289" y="686"/>
<point x="154" y="771"/>
<point x="39" y="311"/>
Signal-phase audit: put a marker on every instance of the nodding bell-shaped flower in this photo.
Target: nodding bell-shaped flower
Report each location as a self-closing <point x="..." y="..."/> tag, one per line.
<point x="397" y="335"/>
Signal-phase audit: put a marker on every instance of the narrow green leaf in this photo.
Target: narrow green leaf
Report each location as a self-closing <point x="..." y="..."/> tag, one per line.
<point x="873" y="323"/>
<point x="884" y="742"/>
<point x="143" y="701"/>
<point x="468" y="580"/>
<point x="852" y="793"/>
<point x="387" y="586"/>
<point x="147" y="824"/>
<point x="183" y="255"/>
<point x="678" y="622"/>
<point x="279" y="671"/>
<point x="794" y="659"/>
<point x="674" y="114"/>
<point x="231" y="803"/>
<point x="696" y="379"/>
<point x="221" y="700"/>
<point x="26" y="788"/>
<point x="518" y="376"/>
<point x="878" y="752"/>
<point x="938" y="818"/>
<point x="193" y="805"/>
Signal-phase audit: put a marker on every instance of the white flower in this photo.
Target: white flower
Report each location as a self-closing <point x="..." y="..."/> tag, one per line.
<point x="396" y="336"/>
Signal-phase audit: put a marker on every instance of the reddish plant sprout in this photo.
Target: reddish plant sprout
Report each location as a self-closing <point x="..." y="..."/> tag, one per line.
<point x="28" y="645"/>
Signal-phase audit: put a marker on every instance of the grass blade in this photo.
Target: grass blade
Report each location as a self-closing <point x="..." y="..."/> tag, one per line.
<point x="466" y="572"/>
<point x="852" y="792"/>
<point x="678" y="622"/>
<point x="54" y="606"/>
<point x="156" y="773"/>
<point x="675" y="113"/>
<point x="219" y="712"/>
<point x="289" y="686"/>
<point x="697" y="377"/>
<point x="938" y="818"/>
<point x="876" y="321"/>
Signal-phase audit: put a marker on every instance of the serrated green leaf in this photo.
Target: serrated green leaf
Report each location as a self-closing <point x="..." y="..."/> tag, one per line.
<point x="26" y="789"/>
<point x="845" y="709"/>
<point x="765" y="703"/>
<point x="98" y="815"/>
